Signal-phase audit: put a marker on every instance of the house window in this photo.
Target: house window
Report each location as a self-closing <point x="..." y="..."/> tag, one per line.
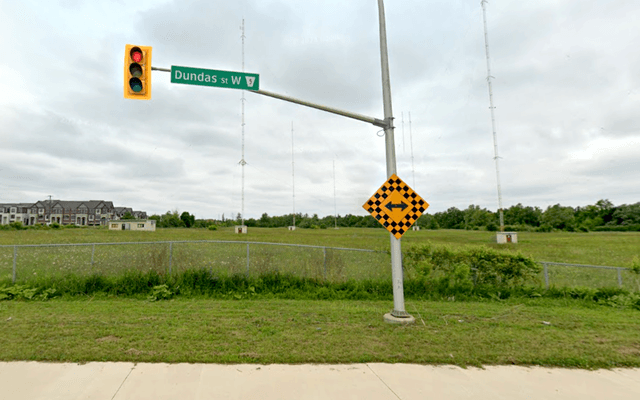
<point x="98" y="211"/>
<point x="13" y="210"/>
<point x="40" y="211"/>
<point x="140" y="225"/>
<point x="114" y="225"/>
<point x="90" y="217"/>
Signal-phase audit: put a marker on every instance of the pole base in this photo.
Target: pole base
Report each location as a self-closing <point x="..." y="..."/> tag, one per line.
<point x="390" y="319"/>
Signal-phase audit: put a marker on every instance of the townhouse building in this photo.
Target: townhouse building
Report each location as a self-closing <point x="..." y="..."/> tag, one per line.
<point x="64" y="212"/>
<point x="14" y="212"/>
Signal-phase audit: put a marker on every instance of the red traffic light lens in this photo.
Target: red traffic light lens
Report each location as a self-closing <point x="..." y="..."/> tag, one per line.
<point x="136" y="54"/>
<point x="135" y="70"/>
<point x="135" y="84"/>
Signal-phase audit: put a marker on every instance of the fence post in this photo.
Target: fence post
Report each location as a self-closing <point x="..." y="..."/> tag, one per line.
<point x="247" y="260"/>
<point x="93" y="252"/>
<point x="170" y="256"/>
<point x="546" y="275"/>
<point x="15" y="257"/>
<point x="324" y="250"/>
<point x="619" y="277"/>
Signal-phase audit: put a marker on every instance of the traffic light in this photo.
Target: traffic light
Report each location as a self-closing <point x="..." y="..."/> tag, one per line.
<point x="137" y="72"/>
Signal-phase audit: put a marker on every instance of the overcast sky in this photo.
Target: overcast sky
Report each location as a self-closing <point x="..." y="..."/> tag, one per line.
<point x="566" y="89"/>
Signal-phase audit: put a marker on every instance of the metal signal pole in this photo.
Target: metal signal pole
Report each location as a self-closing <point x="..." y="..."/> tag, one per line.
<point x="398" y="315"/>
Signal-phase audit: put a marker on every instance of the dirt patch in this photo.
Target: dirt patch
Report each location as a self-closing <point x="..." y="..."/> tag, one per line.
<point x="109" y="338"/>
<point x="134" y="352"/>
<point x="629" y="351"/>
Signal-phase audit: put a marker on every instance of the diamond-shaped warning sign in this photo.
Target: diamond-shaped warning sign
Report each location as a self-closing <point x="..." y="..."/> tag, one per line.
<point x="396" y="206"/>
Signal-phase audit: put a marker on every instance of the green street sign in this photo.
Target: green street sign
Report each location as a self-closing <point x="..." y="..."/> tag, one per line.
<point x="210" y="77"/>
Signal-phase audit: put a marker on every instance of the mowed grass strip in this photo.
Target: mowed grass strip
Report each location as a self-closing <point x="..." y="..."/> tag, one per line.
<point x="547" y="332"/>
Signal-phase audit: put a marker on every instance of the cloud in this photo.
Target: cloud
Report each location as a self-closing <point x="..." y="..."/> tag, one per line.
<point x="565" y="88"/>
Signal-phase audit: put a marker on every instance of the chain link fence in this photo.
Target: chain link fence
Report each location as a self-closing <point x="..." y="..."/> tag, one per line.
<point x="571" y="275"/>
<point x="27" y="263"/>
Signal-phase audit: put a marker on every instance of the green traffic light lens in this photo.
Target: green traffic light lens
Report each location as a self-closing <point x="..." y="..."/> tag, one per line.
<point x="135" y="84"/>
<point x="136" y="70"/>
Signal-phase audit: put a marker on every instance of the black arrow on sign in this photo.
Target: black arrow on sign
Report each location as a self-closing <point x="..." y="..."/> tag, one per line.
<point x="390" y="206"/>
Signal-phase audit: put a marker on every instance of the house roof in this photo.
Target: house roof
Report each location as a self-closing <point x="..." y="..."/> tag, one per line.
<point x="72" y="205"/>
<point x="17" y="205"/>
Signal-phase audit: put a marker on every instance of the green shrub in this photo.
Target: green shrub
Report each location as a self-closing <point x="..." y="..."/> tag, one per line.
<point x="74" y="226"/>
<point x="618" y="228"/>
<point x="470" y="266"/>
<point x="454" y="285"/>
<point x="213" y="227"/>
<point x="518" y="228"/>
<point x="544" y="228"/>
<point x="21" y="292"/>
<point x="625" y="300"/>
<point x="17" y="226"/>
<point x="635" y="265"/>
<point x="160" y="292"/>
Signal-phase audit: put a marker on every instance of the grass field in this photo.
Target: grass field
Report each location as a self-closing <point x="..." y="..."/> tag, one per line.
<point x="531" y="332"/>
<point x="261" y="329"/>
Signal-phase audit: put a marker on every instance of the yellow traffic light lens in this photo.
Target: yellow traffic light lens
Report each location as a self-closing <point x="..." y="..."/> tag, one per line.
<point x="136" y="70"/>
<point x="135" y="84"/>
<point x="136" y="54"/>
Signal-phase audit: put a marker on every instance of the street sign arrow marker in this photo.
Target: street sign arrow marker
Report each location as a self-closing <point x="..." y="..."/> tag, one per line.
<point x="390" y="206"/>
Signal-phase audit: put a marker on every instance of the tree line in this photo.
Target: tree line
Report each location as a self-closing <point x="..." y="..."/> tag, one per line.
<point x="601" y="216"/>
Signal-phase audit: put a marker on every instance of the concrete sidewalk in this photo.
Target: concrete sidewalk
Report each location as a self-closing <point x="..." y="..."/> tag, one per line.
<point x="120" y="381"/>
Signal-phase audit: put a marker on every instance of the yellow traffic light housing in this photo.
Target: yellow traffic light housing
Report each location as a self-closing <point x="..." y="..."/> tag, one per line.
<point x="137" y="72"/>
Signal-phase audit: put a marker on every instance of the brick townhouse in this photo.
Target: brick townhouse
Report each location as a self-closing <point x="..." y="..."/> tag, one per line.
<point x="63" y="212"/>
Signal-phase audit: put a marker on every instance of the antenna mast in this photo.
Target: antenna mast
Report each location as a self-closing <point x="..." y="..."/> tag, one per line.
<point x="335" y="208"/>
<point x="242" y="100"/>
<point x="413" y="169"/>
<point x="493" y="119"/>
<point x="293" y="179"/>
<point x="402" y="119"/>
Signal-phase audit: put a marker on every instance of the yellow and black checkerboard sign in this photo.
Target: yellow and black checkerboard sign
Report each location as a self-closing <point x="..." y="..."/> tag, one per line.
<point x="396" y="206"/>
